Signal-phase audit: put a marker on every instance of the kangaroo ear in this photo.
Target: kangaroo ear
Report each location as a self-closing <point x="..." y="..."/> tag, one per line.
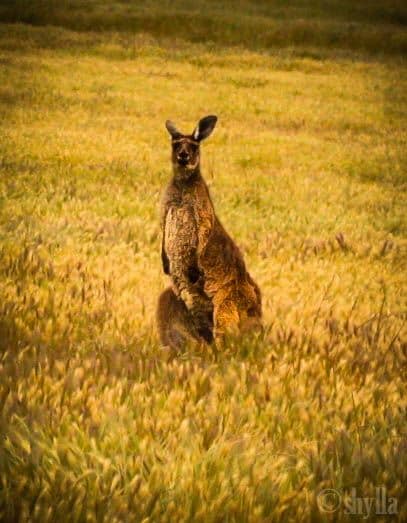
<point x="172" y="129"/>
<point x="204" y="127"/>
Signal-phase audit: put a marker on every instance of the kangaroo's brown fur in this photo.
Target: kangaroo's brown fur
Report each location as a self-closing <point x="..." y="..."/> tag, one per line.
<point x="175" y="323"/>
<point x="206" y="267"/>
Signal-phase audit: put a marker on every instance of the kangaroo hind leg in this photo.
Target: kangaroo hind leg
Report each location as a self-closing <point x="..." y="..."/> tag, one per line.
<point x="227" y="318"/>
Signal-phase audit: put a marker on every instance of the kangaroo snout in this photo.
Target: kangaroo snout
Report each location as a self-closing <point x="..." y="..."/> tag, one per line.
<point x="183" y="158"/>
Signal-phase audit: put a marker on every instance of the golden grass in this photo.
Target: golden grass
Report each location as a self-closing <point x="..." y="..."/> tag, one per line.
<point x="307" y="171"/>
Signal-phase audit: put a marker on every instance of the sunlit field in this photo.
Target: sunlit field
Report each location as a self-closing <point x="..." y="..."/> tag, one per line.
<point x="307" y="170"/>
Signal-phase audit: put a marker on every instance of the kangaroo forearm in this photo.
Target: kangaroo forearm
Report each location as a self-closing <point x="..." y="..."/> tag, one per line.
<point x="189" y="294"/>
<point x="199" y="308"/>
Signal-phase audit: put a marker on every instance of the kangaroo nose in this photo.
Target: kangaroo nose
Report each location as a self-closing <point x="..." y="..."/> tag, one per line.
<point x="183" y="158"/>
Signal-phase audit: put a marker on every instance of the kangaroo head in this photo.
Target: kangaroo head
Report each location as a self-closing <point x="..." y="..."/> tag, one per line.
<point x="185" y="147"/>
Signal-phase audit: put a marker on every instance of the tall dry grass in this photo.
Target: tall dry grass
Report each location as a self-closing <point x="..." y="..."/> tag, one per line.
<point x="307" y="170"/>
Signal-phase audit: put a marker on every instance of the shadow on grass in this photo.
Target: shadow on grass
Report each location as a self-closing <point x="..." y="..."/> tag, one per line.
<point x="371" y="27"/>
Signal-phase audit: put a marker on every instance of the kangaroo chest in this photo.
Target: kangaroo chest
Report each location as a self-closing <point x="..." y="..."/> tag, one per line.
<point x="180" y="233"/>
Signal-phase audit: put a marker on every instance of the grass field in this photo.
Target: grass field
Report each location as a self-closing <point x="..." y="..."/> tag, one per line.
<point x="307" y="169"/>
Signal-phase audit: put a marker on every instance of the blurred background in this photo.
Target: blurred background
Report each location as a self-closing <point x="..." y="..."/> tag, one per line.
<point x="307" y="170"/>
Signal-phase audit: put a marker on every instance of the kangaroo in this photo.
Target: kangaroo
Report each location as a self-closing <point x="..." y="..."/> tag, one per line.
<point x="212" y="292"/>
